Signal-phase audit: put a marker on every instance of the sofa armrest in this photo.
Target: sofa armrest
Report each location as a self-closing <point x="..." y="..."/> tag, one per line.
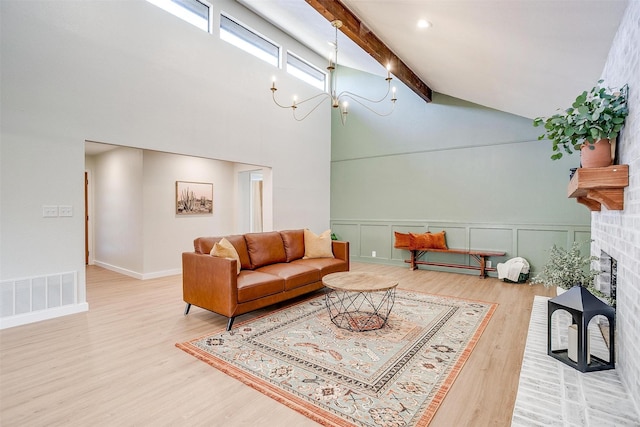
<point x="210" y="282"/>
<point x="341" y="250"/>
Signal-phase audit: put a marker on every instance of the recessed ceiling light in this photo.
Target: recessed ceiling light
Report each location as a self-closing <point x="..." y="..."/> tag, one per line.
<point x="423" y="23"/>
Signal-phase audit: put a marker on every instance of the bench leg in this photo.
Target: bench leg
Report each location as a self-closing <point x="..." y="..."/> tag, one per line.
<point x="186" y="309"/>
<point x="482" y="262"/>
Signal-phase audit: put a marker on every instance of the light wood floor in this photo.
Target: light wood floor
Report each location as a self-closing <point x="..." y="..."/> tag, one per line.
<point x="117" y="365"/>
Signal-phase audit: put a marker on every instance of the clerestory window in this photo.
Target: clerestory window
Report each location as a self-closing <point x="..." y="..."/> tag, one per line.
<point x="303" y="70"/>
<point x="249" y="41"/>
<point x="195" y="12"/>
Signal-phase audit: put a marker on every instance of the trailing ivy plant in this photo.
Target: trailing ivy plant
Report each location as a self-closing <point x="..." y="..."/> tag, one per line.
<point x="594" y="115"/>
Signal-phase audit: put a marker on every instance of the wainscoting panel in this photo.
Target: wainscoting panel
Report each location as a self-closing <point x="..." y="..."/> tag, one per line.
<point x="349" y="232"/>
<point x="374" y="241"/>
<point x="538" y="243"/>
<point x="582" y="236"/>
<point x="492" y="239"/>
<point x="530" y="241"/>
<point x="457" y="236"/>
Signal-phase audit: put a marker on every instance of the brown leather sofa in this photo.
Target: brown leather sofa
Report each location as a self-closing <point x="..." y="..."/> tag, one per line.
<point x="273" y="270"/>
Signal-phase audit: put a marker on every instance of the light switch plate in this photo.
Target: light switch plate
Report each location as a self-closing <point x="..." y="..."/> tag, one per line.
<point x="65" y="210"/>
<point x="49" y="211"/>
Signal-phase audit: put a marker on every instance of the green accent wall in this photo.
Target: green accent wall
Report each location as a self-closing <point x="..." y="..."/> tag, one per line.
<point x="478" y="173"/>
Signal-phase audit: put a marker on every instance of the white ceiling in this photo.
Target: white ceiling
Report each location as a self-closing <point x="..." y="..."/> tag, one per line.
<point x="526" y="57"/>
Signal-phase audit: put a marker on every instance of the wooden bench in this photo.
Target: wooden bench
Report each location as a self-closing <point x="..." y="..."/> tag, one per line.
<point x="479" y="255"/>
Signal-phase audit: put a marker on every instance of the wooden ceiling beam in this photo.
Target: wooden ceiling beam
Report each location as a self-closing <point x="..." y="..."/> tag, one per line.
<point x="353" y="28"/>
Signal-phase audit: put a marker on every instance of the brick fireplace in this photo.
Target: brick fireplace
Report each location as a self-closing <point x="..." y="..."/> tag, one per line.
<point x="607" y="281"/>
<point x="617" y="233"/>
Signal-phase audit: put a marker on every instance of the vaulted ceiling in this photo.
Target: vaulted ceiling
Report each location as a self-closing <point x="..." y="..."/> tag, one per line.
<point x="526" y="57"/>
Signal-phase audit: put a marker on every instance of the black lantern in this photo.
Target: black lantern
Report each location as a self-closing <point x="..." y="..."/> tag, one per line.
<point x="583" y="306"/>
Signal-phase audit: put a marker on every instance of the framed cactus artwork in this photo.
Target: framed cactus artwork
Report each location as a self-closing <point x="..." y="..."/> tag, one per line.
<point x="194" y="198"/>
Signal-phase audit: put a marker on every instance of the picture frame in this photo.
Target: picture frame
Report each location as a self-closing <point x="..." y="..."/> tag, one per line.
<point x="194" y="198"/>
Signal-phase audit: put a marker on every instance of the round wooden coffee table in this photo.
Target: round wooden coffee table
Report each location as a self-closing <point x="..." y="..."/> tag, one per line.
<point x="360" y="301"/>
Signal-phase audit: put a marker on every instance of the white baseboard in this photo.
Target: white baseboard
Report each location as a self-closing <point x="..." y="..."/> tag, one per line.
<point x="164" y="273"/>
<point x="37" y="316"/>
<point x="117" y="269"/>
<point x="135" y="274"/>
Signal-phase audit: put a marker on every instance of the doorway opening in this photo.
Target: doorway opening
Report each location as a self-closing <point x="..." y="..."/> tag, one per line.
<point x="251" y="194"/>
<point x="135" y="190"/>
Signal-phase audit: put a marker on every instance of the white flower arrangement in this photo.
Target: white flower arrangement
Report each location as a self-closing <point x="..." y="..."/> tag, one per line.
<point x="566" y="269"/>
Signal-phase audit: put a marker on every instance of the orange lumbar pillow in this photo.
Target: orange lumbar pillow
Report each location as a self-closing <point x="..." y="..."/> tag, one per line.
<point x="438" y="240"/>
<point x="403" y="240"/>
<point x="428" y="240"/>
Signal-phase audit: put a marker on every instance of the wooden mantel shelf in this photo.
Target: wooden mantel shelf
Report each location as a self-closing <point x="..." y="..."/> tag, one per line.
<point x="594" y="187"/>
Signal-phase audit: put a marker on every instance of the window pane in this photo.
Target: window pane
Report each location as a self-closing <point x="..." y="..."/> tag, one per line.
<point x="305" y="71"/>
<point x="248" y="41"/>
<point x="195" y="7"/>
<point x="194" y="12"/>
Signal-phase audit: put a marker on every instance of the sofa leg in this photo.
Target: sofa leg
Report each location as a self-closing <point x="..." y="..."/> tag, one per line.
<point x="230" y="323"/>
<point x="186" y="309"/>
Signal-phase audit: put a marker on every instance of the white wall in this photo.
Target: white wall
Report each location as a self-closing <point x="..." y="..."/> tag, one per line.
<point x="136" y="229"/>
<point x="618" y="232"/>
<point x="118" y="209"/>
<point x="130" y="74"/>
<point x="167" y="235"/>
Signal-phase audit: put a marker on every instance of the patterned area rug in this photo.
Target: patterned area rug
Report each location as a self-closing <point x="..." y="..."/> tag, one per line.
<point x="394" y="376"/>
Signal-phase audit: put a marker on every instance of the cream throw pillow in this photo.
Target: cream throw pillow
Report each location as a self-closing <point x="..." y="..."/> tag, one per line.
<point x="224" y="249"/>
<point x="317" y="246"/>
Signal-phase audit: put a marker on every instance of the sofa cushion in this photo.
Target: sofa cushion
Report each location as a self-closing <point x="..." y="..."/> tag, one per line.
<point x="294" y="275"/>
<point x="240" y="244"/>
<point x="323" y="265"/>
<point x="265" y="248"/>
<point x="317" y="246"/>
<point x="254" y="285"/>
<point x="224" y="249"/>
<point x="203" y="245"/>
<point x="293" y="244"/>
